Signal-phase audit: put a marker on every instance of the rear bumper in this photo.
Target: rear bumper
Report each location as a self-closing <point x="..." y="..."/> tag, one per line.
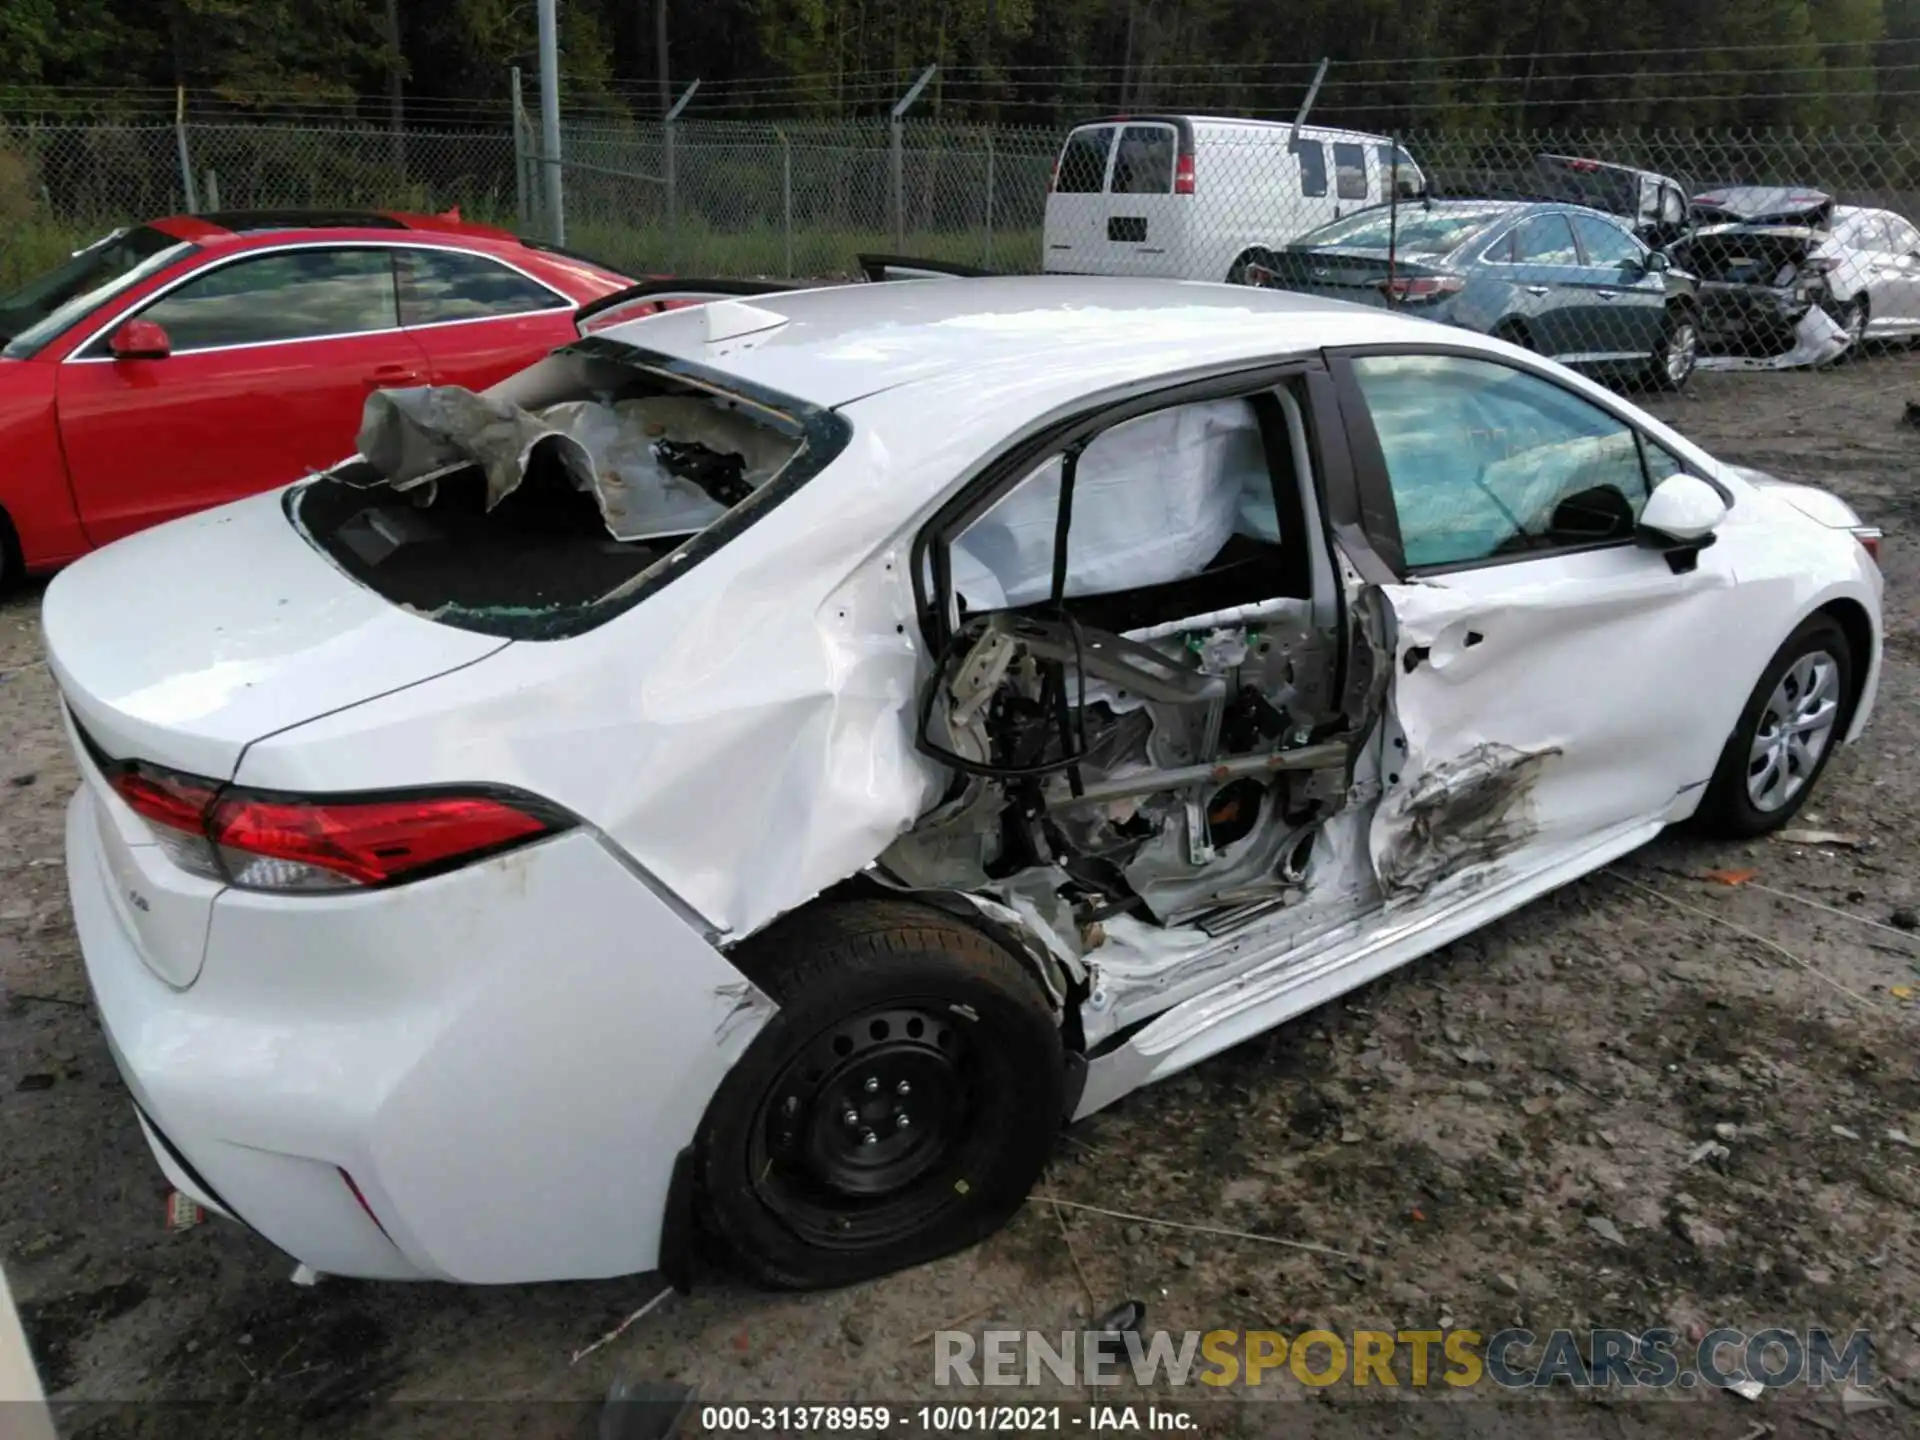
<point x="506" y="1060"/>
<point x="1750" y="319"/>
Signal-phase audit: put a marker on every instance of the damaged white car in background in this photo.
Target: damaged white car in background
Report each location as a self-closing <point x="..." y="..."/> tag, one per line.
<point x="759" y="771"/>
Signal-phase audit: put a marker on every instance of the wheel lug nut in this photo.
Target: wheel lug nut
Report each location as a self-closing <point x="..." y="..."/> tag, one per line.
<point x="852" y="1117"/>
<point x="792" y="1106"/>
<point x="869" y="1138"/>
<point x="903" y="1088"/>
<point x="872" y="1087"/>
<point x="902" y="1120"/>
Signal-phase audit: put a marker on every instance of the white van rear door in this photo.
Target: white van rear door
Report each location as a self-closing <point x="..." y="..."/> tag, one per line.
<point x="1146" y="220"/>
<point x="1077" y="204"/>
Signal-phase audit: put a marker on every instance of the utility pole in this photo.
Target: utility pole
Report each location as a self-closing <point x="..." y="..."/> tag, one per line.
<point x="550" y="118"/>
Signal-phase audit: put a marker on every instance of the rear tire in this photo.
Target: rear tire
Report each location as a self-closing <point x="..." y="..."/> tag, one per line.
<point x="1237" y="272"/>
<point x="1676" y="352"/>
<point x="12" y="568"/>
<point x="1515" y="333"/>
<point x="898" y="1107"/>
<point x="1789" y="729"/>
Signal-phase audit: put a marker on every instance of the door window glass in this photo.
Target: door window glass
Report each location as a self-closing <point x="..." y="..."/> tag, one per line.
<point x="1486" y="461"/>
<point x="1350" y="171"/>
<point x="1083" y="163"/>
<point x="294" y="295"/>
<point x="441" y="285"/>
<point x="1144" y="165"/>
<point x="1606" y="246"/>
<point x="1313" y="167"/>
<point x="1545" y="240"/>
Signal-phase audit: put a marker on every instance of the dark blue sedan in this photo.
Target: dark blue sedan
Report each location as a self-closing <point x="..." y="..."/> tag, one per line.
<point x="1562" y="280"/>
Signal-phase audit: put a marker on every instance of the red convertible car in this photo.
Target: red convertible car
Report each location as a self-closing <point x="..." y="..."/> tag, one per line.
<point x="193" y="360"/>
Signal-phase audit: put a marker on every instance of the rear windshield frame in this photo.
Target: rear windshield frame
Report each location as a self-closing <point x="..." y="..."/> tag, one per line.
<point x="822" y="434"/>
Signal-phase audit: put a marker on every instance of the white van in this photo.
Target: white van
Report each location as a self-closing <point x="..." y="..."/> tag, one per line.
<point x="1190" y="196"/>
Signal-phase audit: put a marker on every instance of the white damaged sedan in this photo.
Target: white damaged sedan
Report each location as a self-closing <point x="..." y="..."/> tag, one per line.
<point x="755" y="774"/>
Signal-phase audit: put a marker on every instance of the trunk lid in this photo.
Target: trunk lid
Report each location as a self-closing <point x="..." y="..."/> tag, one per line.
<point x="1356" y="275"/>
<point x="183" y="644"/>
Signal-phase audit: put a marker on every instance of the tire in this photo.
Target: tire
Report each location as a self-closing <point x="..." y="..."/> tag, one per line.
<point x="1515" y="333"/>
<point x="1676" y="353"/>
<point x="1818" y="656"/>
<point x="810" y="1177"/>
<point x="1237" y="272"/>
<point x="12" y="568"/>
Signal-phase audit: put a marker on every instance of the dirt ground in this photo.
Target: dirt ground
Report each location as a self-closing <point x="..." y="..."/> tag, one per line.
<point x="1500" y="1133"/>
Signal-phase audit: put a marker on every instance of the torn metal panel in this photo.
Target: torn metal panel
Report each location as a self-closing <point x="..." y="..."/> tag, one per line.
<point x="1817" y="340"/>
<point x="657" y="465"/>
<point x="1460" y="813"/>
<point x="750" y="1006"/>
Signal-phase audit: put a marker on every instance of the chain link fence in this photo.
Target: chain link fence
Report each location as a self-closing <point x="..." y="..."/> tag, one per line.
<point x="1635" y="250"/>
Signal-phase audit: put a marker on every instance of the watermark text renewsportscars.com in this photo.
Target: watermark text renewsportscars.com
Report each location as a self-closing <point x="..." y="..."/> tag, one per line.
<point x="1415" y="1359"/>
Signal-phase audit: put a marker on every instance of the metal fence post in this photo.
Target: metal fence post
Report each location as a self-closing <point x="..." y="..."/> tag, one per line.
<point x="989" y="199"/>
<point x="786" y="198"/>
<point x="520" y="188"/>
<point x="550" y="122"/>
<point x="669" y="161"/>
<point x="191" y="190"/>
<point x="898" y="159"/>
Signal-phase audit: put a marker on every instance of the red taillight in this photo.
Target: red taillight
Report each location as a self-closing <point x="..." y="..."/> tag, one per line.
<point x="324" y="845"/>
<point x="1584" y="167"/>
<point x="161" y="797"/>
<point x="279" y="842"/>
<point x="1183" y="176"/>
<point x="1053" y="180"/>
<point x="1420" y="289"/>
<point x="1869" y="538"/>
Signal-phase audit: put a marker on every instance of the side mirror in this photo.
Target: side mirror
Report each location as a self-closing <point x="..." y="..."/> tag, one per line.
<point x="140" y="340"/>
<point x="1658" y="262"/>
<point x="1679" y="519"/>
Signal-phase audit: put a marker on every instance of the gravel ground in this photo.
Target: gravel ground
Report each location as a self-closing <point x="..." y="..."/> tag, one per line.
<point x="1500" y="1132"/>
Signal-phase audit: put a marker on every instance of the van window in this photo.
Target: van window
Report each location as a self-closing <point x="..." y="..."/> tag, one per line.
<point x="1400" y="171"/>
<point x="1350" y="171"/>
<point x="1083" y="163"/>
<point x="1313" y="166"/>
<point x="1145" y="163"/>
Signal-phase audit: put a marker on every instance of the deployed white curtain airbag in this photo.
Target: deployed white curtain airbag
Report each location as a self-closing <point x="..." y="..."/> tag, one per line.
<point x="1154" y="500"/>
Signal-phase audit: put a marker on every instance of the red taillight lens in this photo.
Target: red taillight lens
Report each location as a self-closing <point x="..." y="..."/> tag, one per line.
<point x="1053" y="180"/>
<point x="1869" y="538"/>
<point x="1183" y="176"/>
<point x="280" y="842"/>
<point x="283" y="844"/>
<point x="1420" y="289"/>
<point x="162" y="797"/>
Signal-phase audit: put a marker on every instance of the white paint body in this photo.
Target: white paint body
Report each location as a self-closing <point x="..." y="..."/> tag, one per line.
<point x="508" y="1058"/>
<point x="1250" y="192"/>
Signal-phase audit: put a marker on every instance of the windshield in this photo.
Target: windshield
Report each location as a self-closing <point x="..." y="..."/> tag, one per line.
<point x="1420" y="231"/>
<point x="50" y="304"/>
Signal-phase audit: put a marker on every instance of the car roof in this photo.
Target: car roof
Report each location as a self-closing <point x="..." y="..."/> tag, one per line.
<point x="218" y="225"/>
<point x="836" y="345"/>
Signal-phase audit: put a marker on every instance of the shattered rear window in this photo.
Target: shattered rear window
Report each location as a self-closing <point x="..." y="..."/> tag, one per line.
<point x="543" y="508"/>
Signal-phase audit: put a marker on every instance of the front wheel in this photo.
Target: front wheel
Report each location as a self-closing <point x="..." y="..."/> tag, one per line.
<point x="1243" y="270"/>
<point x="1785" y="735"/>
<point x="1676" y="353"/>
<point x="898" y="1107"/>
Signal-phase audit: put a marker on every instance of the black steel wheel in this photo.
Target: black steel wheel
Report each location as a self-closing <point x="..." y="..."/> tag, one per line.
<point x="898" y="1106"/>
